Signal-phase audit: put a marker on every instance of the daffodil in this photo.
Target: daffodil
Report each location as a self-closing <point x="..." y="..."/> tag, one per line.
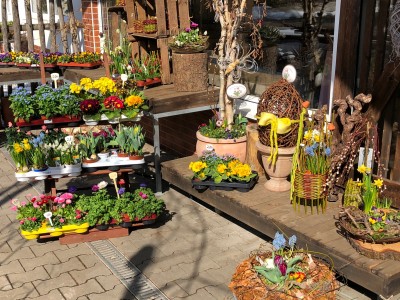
<point x="378" y="182"/>
<point x="363" y="169"/>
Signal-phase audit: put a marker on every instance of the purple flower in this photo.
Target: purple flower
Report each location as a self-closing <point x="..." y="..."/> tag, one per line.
<point x="194" y="25"/>
<point x="188" y="29"/>
<point x="121" y="191"/>
<point x="143" y="185"/>
<point x="95" y="188"/>
<point x="281" y="264"/>
<point x="72" y="189"/>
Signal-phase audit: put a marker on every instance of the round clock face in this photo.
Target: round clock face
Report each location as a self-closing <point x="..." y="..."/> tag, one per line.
<point x="289" y="73"/>
<point x="236" y="90"/>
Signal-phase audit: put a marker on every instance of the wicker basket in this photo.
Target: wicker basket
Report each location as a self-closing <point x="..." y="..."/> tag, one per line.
<point x="309" y="190"/>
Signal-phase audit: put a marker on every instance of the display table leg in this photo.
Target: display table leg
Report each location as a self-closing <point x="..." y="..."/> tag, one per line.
<point x="157" y="154"/>
<point x="50" y="186"/>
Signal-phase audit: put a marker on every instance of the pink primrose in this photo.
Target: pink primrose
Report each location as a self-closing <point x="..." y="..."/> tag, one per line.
<point x="67" y="196"/>
<point x="14" y="208"/>
<point x="68" y="201"/>
<point x="62" y="220"/>
<point x="23" y="203"/>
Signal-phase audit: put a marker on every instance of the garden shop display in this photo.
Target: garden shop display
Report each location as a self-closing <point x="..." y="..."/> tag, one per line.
<point x="221" y="172"/>
<point x="284" y="272"/>
<point x="73" y="213"/>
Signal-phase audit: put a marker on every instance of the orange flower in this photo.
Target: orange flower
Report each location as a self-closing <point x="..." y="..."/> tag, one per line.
<point x="306" y="104"/>
<point x="331" y="127"/>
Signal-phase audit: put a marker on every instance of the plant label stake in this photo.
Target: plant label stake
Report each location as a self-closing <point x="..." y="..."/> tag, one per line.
<point x="124" y="78"/>
<point x="113" y="176"/>
<point x="48" y="215"/>
<point x="54" y="77"/>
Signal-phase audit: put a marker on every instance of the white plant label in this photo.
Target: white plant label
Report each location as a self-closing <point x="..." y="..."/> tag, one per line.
<point x="48" y="215"/>
<point x="55" y="77"/>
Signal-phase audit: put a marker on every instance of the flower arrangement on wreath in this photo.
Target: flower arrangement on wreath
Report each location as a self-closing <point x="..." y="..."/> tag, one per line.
<point x="189" y="41"/>
<point x="284" y="272"/>
<point x="211" y="166"/>
<point x="369" y="215"/>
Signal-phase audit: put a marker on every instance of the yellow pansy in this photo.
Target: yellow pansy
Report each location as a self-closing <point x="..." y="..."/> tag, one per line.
<point x="372" y="221"/>
<point x="221" y="168"/>
<point x="197" y="166"/>
<point x="308" y="135"/>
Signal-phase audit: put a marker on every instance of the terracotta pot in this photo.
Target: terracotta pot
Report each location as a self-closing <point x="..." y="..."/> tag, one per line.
<point x="90" y="160"/>
<point x="123" y="154"/>
<point x="140" y="83"/>
<point x="235" y="147"/>
<point x="136" y="157"/>
<point x="279" y="172"/>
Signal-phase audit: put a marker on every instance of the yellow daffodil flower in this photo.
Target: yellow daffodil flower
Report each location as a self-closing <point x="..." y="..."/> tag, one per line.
<point x="378" y="183"/>
<point x="363" y="169"/>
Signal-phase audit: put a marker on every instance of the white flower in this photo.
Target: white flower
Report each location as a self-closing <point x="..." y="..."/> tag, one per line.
<point x="102" y="185"/>
<point x="205" y="32"/>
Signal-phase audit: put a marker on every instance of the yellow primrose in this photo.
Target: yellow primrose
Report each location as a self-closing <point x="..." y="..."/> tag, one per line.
<point x="221" y="168"/>
<point x="197" y="166"/>
<point x="378" y="183"/>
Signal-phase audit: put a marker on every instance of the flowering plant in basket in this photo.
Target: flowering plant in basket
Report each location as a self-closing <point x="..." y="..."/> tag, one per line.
<point x="189" y="41"/>
<point x="210" y="166"/>
<point x="283" y="273"/>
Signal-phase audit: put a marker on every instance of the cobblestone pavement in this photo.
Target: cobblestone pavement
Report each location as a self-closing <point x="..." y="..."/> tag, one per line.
<point x="190" y="254"/>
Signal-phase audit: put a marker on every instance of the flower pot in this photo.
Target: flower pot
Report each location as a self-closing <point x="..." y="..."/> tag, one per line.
<point x="30" y="235"/>
<point x="103" y="156"/>
<point x="114" y="120"/>
<point x="235" y="147"/>
<point x="102" y="227"/>
<point x="140" y="83"/>
<point x="89" y="121"/>
<point x="40" y="169"/>
<point x="90" y="160"/>
<point x="279" y="172"/>
<point x="135" y="157"/>
<point x="123" y="155"/>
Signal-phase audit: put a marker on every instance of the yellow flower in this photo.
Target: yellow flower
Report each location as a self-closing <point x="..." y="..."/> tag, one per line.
<point x="378" y="183"/>
<point x="243" y="170"/>
<point x="317" y="138"/>
<point x="384" y="217"/>
<point x="363" y="169"/>
<point x="27" y="146"/>
<point x="74" y="88"/>
<point x="133" y="100"/>
<point x="221" y="168"/>
<point x="202" y="175"/>
<point x="85" y="81"/>
<point x="197" y="166"/>
<point x="308" y="135"/>
<point x="372" y="221"/>
<point x="18" y="148"/>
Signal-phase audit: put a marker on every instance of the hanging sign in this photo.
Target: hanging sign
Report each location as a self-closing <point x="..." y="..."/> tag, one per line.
<point x="236" y="90"/>
<point x="289" y="73"/>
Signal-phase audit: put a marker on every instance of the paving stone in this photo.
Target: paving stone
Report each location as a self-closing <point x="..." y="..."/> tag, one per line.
<point x="82" y="298"/>
<point x="64" y="280"/>
<point x="222" y="275"/>
<point x="175" y="246"/>
<point x="220" y="291"/>
<point x="119" y="292"/>
<point x="23" y="292"/>
<point x="89" y="260"/>
<point x="66" y="253"/>
<point x="53" y="294"/>
<point x="5" y="284"/>
<point x="164" y="263"/>
<point x="173" y="291"/>
<point x="11" y="268"/>
<point x="15" y="241"/>
<point x="22" y="253"/>
<point x="73" y="264"/>
<point x="108" y="282"/>
<point x="82" y="276"/>
<point x="46" y="247"/>
<point x="19" y="279"/>
<point x="84" y="289"/>
<point x="201" y="294"/>
<point x="31" y="263"/>
<point x="193" y="268"/>
<point x="4" y="249"/>
<point x="161" y="279"/>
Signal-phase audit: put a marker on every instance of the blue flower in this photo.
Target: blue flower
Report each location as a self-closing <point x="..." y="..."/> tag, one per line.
<point x="292" y="241"/>
<point x="327" y="151"/>
<point x="72" y="189"/>
<point x="143" y="185"/>
<point x="315" y="145"/>
<point x="121" y="191"/>
<point x="309" y="151"/>
<point x="279" y="241"/>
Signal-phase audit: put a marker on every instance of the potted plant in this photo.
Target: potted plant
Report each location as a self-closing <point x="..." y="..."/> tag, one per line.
<point x="69" y="103"/>
<point x="189" y="40"/>
<point x="22" y="105"/>
<point x="6" y="60"/>
<point x="37" y="156"/>
<point x="284" y="273"/>
<point x="47" y="101"/>
<point x="120" y="58"/>
<point x="48" y="215"/>
<point x="111" y="108"/>
<point x="97" y="206"/>
<point x="120" y="140"/>
<point x="146" y="206"/>
<point x="224" y="138"/>
<point x="311" y="160"/>
<point x="224" y="172"/>
<point x="88" y="143"/>
<point x="270" y="36"/>
<point x="150" y="25"/>
<point x="84" y="59"/>
<point x="20" y="153"/>
<point x="135" y="142"/>
<point x="50" y="59"/>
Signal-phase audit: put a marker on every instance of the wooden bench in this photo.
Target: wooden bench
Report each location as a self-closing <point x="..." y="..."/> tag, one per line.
<point x="269" y="212"/>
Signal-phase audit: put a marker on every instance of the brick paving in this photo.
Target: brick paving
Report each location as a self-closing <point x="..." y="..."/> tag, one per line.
<point x="190" y="254"/>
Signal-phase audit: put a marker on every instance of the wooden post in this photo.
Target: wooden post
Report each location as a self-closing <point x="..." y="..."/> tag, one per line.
<point x="42" y="70"/>
<point x="4" y="27"/>
<point x="106" y="63"/>
<point x="16" y="25"/>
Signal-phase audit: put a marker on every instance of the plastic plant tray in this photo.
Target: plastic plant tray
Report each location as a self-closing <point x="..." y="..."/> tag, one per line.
<point x="59" y="172"/>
